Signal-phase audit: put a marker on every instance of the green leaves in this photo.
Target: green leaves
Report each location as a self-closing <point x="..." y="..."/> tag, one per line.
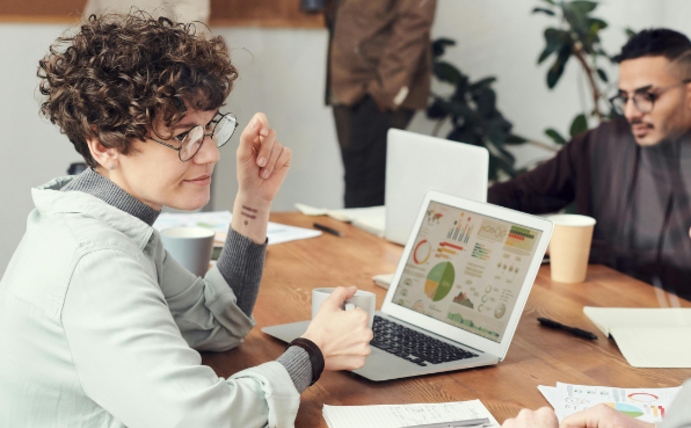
<point x="439" y="46"/>
<point x="602" y="74"/>
<point x="543" y="10"/>
<point x="557" y="69"/>
<point x="446" y="72"/>
<point x="472" y="111"/>
<point x="555" y="136"/>
<point x="579" y="125"/>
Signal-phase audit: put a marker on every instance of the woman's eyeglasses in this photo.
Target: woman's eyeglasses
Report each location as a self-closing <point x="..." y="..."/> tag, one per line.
<point x="223" y="128"/>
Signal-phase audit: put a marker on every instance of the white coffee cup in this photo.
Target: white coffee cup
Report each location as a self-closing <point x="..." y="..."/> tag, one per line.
<point x="365" y="300"/>
<point x="190" y="246"/>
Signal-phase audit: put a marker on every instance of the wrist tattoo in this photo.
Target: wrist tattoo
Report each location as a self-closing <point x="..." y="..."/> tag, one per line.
<point x="248" y="212"/>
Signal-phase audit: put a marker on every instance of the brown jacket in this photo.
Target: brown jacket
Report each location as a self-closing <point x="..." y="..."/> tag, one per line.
<point x="381" y="48"/>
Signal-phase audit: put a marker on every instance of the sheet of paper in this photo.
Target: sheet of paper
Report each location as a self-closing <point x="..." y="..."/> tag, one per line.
<point x="654" y="347"/>
<point x="404" y="415"/>
<point x="645" y="404"/>
<point x="550" y="393"/>
<point x="220" y="220"/>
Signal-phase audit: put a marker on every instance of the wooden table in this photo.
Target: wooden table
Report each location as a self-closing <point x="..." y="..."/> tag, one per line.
<point x="537" y="356"/>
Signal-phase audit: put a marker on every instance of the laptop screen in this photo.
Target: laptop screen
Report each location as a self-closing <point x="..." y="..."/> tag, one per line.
<point x="467" y="269"/>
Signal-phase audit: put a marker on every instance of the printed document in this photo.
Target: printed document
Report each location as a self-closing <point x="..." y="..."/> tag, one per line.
<point x="220" y="220"/>
<point x="645" y="404"/>
<point x="405" y="415"/>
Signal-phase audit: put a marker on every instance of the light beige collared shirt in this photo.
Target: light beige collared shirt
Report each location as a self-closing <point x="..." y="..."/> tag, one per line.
<point x="99" y="328"/>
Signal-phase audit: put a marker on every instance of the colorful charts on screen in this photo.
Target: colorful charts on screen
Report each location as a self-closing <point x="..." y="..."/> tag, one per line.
<point x="439" y="281"/>
<point x="422" y="252"/>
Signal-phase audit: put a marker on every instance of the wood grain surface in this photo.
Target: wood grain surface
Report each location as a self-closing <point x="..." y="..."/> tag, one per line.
<point x="537" y="356"/>
<point x="224" y="13"/>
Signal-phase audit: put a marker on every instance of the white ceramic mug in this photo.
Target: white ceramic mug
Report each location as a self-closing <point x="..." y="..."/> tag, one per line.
<point x="365" y="300"/>
<point x="190" y="246"/>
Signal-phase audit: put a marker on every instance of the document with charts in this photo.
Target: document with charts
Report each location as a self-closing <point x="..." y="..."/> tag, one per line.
<point x="467" y="269"/>
<point x="645" y="404"/>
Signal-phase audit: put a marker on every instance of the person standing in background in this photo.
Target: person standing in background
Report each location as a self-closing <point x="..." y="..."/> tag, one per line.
<point x="378" y="74"/>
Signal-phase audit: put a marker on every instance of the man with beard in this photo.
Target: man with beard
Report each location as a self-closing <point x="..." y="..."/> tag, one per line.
<point x="630" y="175"/>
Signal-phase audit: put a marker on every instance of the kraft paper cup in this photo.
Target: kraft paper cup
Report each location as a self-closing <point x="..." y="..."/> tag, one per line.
<point x="362" y="299"/>
<point x="569" y="247"/>
<point x="190" y="246"/>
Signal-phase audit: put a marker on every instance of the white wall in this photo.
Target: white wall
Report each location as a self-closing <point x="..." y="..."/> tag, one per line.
<point x="284" y="77"/>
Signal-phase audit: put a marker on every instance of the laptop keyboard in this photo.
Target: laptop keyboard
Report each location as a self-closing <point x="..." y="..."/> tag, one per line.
<point x="412" y="345"/>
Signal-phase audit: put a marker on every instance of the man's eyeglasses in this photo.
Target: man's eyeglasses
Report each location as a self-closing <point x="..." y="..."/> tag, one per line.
<point x="643" y="99"/>
<point x="223" y="128"/>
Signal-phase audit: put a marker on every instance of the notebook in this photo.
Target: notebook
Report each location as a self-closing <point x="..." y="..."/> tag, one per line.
<point x="458" y="292"/>
<point x="647" y="337"/>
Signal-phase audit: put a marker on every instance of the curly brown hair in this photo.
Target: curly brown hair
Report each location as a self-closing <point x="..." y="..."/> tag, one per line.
<point x="118" y="73"/>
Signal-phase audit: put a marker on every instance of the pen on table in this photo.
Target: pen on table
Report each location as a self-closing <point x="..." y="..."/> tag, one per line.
<point x="573" y="330"/>
<point x="328" y="230"/>
<point x="465" y="424"/>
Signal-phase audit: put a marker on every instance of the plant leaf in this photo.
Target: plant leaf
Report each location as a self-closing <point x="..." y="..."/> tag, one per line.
<point x="436" y="110"/>
<point x="543" y="10"/>
<point x="579" y="125"/>
<point x="514" y="139"/>
<point x="555" y="40"/>
<point x="582" y="7"/>
<point x="482" y="83"/>
<point x="555" y="136"/>
<point x="550" y="2"/>
<point x="557" y="69"/>
<point x="602" y="74"/>
<point x="439" y="46"/>
<point x="629" y="32"/>
<point x="446" y="72"/>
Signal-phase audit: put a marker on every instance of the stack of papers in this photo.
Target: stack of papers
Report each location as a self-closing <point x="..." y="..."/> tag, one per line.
<point x="653" y="338"/>
<point x="220" y="220"/>
<point x="405" y="415"/>
<point x="647" y="404"/>
<point x="372" y="219"/>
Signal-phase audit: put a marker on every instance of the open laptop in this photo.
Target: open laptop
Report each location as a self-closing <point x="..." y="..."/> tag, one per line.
<point x="416" y="164"/>
<point x="458" y="291"/>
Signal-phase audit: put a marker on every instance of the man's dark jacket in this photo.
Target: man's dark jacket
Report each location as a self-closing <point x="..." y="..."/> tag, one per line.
<point x="638" y="195"/>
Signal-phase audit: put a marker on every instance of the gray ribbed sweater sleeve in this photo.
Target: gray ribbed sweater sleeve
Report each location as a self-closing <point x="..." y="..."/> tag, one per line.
<point x="241" y="263"/>
<point x="297" y="362"/>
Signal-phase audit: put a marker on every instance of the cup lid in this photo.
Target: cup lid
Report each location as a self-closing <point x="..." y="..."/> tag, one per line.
<point x="577" y="220"/>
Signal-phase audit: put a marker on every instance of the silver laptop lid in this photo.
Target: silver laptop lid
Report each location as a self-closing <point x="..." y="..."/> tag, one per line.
<point x="416" y="164"/>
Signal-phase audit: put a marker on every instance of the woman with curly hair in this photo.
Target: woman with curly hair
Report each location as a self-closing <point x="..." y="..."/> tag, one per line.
<point x="100" y="327"/>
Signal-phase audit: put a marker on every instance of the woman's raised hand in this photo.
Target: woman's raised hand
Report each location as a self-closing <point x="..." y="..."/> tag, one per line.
<point x="262" y="162"/>
<point x="342" y="336"/>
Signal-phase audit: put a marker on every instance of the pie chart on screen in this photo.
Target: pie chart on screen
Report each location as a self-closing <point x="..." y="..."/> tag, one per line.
<point x="626" y="409"/>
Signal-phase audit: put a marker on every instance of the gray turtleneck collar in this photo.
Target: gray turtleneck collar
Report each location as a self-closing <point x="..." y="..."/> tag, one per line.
<point x="95" y="184"/>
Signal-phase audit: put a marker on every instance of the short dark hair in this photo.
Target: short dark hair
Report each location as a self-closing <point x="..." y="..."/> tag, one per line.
<point x="118" y="73"/>
<point x="655" y="42"/>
